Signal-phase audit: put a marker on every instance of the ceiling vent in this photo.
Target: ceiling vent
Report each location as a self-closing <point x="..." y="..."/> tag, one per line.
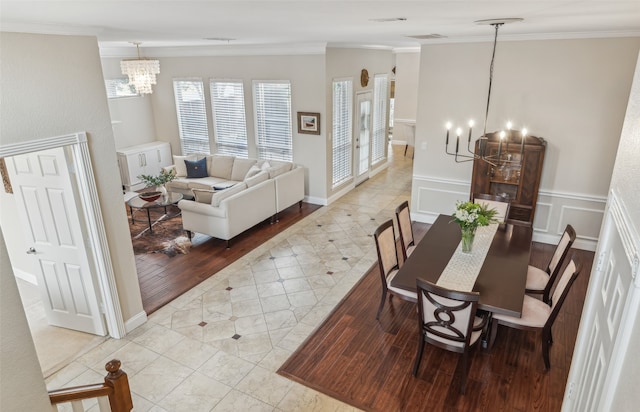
<point x="388" y="19"/>
<point x="227" y="39"/>
<point x="428" y="36"/>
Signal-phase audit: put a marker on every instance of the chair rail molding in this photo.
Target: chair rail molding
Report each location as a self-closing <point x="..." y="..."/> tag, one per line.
<point x="433" y="195"/>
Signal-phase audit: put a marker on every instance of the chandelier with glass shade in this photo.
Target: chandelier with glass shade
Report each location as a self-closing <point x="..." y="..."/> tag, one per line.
<point x="141" y="72"/>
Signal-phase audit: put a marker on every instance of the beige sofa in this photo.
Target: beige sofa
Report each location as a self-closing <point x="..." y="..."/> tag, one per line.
<point x="234" y="194"/>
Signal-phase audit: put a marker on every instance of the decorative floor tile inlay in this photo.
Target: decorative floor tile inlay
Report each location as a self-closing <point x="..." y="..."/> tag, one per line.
<point x="233" y="318"/>
<point x="236" y="336"/>
<point x="229" y="288"/>
<point x="203" y="324"/>
<point x="329" y="273"/>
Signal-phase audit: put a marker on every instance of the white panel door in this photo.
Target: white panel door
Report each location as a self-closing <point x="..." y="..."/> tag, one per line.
<point x="363" y="127"/>
<point x="611" y="281"/>
<point x="45" y="201"/>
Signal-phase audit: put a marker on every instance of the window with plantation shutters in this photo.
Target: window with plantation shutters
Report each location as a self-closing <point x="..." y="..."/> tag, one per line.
<point x="342" y="142"/>
<point x="379" y="139"/>
<point x="192" y="115"/>
<point x="229" y="122"/>
<point x="272" y="112"/>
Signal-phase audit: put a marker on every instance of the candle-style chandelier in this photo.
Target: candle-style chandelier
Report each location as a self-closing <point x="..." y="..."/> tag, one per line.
<point x="141" y="72"/>
<point x="516" y="138"/>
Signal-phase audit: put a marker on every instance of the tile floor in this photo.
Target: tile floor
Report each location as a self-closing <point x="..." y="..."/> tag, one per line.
<point x="217" y="347"/>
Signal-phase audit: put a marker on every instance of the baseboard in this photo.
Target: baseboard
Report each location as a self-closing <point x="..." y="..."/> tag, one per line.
<point x="135" y="321"/>
<point x="315" y="200"/>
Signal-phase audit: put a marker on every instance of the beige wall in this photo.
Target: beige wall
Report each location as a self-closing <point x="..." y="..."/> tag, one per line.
<point x="348" y="63"/>
<point x="571" y="92"/>
<point x="306" y="73"/>
<point x="21" y="383"/>
<point x="53" y="86"/>
<point x="407" y="76"/>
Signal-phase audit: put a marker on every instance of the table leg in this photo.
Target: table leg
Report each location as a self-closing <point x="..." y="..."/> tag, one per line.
<point x="149" y="220"/>
<point x="131" y="212"/>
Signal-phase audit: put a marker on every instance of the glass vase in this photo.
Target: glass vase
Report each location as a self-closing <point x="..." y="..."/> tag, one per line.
<point x="468" y="233"/>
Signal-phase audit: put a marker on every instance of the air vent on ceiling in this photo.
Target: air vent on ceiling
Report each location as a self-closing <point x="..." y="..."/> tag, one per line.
<point x="428" y="36"/>
<point x="388" y="19"/>
<point x="227" y="39"/>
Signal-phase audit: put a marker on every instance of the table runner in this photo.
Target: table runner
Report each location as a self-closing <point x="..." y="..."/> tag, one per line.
<point x="463" y="268"/>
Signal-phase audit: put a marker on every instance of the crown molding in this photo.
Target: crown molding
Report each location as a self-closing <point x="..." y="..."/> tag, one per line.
<point x="226" y="50"/>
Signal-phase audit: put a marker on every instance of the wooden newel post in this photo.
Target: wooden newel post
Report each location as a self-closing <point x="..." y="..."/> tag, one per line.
<point x="120" y="399"/>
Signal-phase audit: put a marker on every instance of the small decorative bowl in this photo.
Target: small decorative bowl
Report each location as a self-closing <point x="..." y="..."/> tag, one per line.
<point x="149" y="196"/>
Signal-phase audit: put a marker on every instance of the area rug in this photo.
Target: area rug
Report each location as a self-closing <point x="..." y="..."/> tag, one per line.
<point x="166" y="236"/>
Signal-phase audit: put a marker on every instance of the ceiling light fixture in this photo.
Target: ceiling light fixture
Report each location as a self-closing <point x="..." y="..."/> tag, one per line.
<point x="141" y="72"/>
<point x="508" y="136"/>
<point x="388" y="19"/>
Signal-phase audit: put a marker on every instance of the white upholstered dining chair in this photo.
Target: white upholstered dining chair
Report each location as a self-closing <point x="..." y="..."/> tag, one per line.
<point x="448" y="320"/>
<point x="539" y="315"/>
<point x="540" y="281"/>
<point x="388" y="264"/>
<point x="501" y="204"/>
<point x="405" y="230"/>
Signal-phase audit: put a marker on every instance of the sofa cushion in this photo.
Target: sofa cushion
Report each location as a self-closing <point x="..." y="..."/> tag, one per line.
<point x="203" y="195"/>
<point x="221" y="166"/>
<point x="278" y="168"/>
<point x="196" y="168"/>
<point x="259" y="178"/>
<point x="221" y="195"/>
<point x="181" y="167"/>
<point x="241" y="167"/>
<point x="253" y="170"/>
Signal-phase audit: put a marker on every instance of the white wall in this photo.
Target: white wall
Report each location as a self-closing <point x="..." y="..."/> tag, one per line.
<point x="571" y="92"/>
<point x="53" y="86"/>
<point x="407" y="76"/>
<point x="23" y="388"/>
<point x="348" y="63"/>
<point x="306" y="73"/>
<point x="131" y="117"/>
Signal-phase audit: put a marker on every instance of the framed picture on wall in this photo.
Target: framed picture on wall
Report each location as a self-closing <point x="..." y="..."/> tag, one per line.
<point x="308" y="123"/>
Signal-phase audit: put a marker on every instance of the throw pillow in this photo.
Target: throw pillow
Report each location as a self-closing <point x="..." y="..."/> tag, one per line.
<point x="181" y="167"/>
<point x="254" y="170"/>
<point x="241" y="167"/>
<point x="196" y="168"/>
<point x="202" y="195"/>
<point x="221" y="166"/>
<point x="219" y="196"/>
<point x="259" y="178"/>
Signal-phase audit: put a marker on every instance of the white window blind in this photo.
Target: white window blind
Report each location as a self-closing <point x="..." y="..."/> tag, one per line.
<point x="379" y="139"/>
<point x="229" y="122"/>
<point x="342" y="131"/>
<point x="192" y="115"/>
<point x="272" y="106"/>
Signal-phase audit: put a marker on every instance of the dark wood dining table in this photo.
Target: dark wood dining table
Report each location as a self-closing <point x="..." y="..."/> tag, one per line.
<point x="502" y="277"/>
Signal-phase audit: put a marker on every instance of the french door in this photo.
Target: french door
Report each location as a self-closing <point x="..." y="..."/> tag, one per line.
<point x="362" y="132"/>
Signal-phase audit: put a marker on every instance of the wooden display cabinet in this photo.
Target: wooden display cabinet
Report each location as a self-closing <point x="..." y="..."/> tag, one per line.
<point x="514" y="174"/>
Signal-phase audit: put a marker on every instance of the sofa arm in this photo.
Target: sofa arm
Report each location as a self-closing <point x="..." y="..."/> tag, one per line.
<point x="289" y="188"/>
<point x="191" y="206"/>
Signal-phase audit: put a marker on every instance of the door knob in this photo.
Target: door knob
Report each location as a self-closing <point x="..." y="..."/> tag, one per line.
<point x="31" y="251"/>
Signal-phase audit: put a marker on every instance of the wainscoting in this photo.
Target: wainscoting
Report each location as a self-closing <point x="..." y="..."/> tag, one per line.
<point x="433" y="196"/>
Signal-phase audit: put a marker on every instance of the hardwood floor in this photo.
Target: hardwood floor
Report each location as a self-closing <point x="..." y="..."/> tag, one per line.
<point x="368" y="364"/>
<point x="164" y="278"/>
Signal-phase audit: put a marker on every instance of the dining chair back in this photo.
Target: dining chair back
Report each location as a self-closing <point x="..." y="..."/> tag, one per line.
<point x="405" y="230"/>
<point x="539" y="281"/>
<point x="539" y="315"/>
<point x="501" y="204"/>
<point x="447" y="319"/>
<point x="385" y="239"/>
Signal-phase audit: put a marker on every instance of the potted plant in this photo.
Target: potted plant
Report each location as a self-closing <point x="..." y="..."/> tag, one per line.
<point x="159" y="181"/>
<point x="470" y="216"/>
